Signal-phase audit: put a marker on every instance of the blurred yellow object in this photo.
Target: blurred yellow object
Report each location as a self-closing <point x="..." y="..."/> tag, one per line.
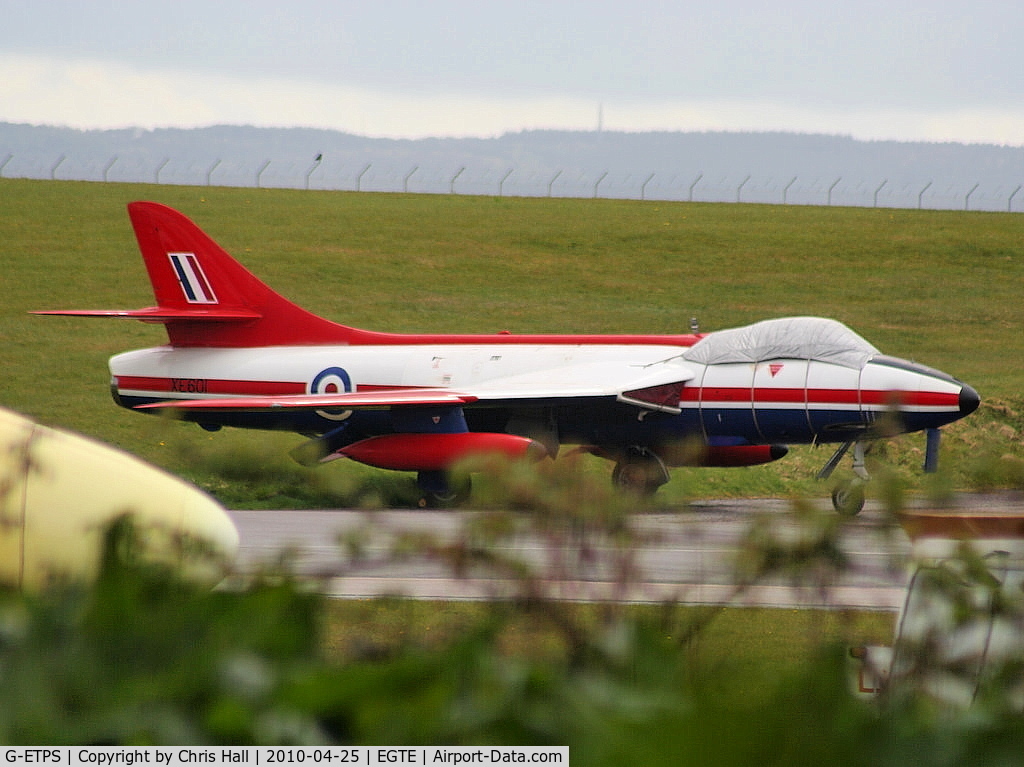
<point x="60" y="491"/>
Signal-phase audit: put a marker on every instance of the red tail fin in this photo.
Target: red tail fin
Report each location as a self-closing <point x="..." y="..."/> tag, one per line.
<point x="215" y="301"/>
<point x="206" y="298"/>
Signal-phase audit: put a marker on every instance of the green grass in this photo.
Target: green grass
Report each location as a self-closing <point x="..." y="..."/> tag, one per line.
<point x="736" y="654"/>
<point x="940" y="287"/>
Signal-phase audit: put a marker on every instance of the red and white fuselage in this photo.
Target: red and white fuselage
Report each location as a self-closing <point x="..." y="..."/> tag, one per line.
<point x="777" y="401"/>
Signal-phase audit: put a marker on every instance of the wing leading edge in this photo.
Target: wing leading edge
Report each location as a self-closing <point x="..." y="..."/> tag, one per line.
<point x="375" y="400"/>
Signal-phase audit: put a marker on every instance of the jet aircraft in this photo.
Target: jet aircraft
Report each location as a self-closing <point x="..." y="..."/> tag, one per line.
<point x="241" y="355"/>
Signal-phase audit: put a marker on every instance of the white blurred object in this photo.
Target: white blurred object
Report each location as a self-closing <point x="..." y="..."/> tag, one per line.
<point x="60" y="491"/>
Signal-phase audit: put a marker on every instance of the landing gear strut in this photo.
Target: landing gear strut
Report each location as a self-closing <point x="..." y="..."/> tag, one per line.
<point x="640" y="472"/>
<point x="848" y="496"/>
<point x="442" y="490"/>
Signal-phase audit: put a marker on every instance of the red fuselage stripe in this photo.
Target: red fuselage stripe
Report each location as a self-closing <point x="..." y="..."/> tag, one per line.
<point x="225" y="386"/>
<point x="765" y="395"/>
<point x="209" y="386"/>
<point x="691" y="394"/>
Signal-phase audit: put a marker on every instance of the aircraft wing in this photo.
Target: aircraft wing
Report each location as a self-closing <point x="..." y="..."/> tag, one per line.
<point x="374" y="400"/>
<point x="652" y="387"/>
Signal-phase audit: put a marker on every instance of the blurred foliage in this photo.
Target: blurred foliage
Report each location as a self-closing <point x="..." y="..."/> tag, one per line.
<point x="142" y="657"/>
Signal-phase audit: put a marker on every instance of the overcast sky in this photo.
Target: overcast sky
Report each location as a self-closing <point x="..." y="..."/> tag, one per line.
<point x="926" y="70"/>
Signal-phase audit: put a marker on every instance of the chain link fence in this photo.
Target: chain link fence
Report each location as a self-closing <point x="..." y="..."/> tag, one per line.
<point x="488" y="176"/>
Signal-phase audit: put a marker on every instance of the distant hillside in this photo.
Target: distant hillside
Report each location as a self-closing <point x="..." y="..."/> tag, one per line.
<point x="746" y="167"/>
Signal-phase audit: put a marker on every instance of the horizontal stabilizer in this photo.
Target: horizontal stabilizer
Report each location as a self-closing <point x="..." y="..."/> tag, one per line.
<point x="162" y="314"/>
<point x="205" y="298"/>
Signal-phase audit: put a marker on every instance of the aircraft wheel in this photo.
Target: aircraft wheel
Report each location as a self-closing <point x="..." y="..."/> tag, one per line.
<point x="639" y="475"/>
<point x="441" y="491"/>
<point x="848" y="498"/>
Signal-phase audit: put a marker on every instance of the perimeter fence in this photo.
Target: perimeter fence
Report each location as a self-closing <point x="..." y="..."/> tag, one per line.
<point x="489" y="178"/>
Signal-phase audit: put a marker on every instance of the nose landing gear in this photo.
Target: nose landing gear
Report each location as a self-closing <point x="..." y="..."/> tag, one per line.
<point x="848" y="496"/>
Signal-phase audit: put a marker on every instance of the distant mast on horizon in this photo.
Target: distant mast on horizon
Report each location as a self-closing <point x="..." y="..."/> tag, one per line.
<point x="600" y="117"/>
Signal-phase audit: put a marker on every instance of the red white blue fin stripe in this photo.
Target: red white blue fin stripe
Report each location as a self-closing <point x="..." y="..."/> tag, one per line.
<point x="194" y="285"/>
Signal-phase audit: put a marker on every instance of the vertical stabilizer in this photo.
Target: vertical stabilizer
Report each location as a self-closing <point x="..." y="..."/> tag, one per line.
<point x="206" y="298"/>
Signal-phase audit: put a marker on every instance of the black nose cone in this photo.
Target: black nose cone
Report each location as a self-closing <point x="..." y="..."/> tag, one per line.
<point x="969" y="400"/>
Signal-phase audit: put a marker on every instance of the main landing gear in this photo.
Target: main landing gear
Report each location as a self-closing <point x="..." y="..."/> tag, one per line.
<point x="442" y="489"/>
<point x="848" y="496"/>
<point x="640" y="472"/>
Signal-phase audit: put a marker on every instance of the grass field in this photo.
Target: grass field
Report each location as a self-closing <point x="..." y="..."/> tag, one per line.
<point x="739" y="653"/>
<point x="940" y="287"/>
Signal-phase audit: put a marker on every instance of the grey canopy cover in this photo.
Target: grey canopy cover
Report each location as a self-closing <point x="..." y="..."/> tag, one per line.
<point x="802" y="338"/>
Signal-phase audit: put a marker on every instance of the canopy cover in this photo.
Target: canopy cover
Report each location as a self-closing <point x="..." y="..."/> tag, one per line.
<point x="802" y="338"/>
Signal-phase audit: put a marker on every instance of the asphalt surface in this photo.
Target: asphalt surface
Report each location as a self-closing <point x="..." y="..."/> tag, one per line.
<point x="696" y="555"/>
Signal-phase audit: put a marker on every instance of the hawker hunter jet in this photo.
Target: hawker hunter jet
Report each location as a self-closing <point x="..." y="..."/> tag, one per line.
<point x="239" y="354"/>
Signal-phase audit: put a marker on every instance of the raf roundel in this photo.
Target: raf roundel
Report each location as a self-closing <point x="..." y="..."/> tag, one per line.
<point x="333" y="380"/>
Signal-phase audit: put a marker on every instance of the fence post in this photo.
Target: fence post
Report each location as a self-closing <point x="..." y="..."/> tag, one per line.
<point x="211" y="169"/>
<point x="879" y="189"/>
<point x="501" y="184"/>
<point x="967" y="198"/>
<point x="920" y="195"/>
<point x="451" y="187"/>
<point x="359" y="178"/>
<point x="160" y="167"/>
<point x="739" y="189"/>
<point x="1009" y="202"/>
<point x="693" y="184"/>
<point x="551" y="183"/>
<point x="643" y="187"/>
<point x="259" y="173"/>
<point x="405" y="181"/>
<point x="316" y="164"/>
<point x="53" y="168"/>
<point x="108" y="166"/>
<point x="834" y="185"/>
<point x="785" y="190"/>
